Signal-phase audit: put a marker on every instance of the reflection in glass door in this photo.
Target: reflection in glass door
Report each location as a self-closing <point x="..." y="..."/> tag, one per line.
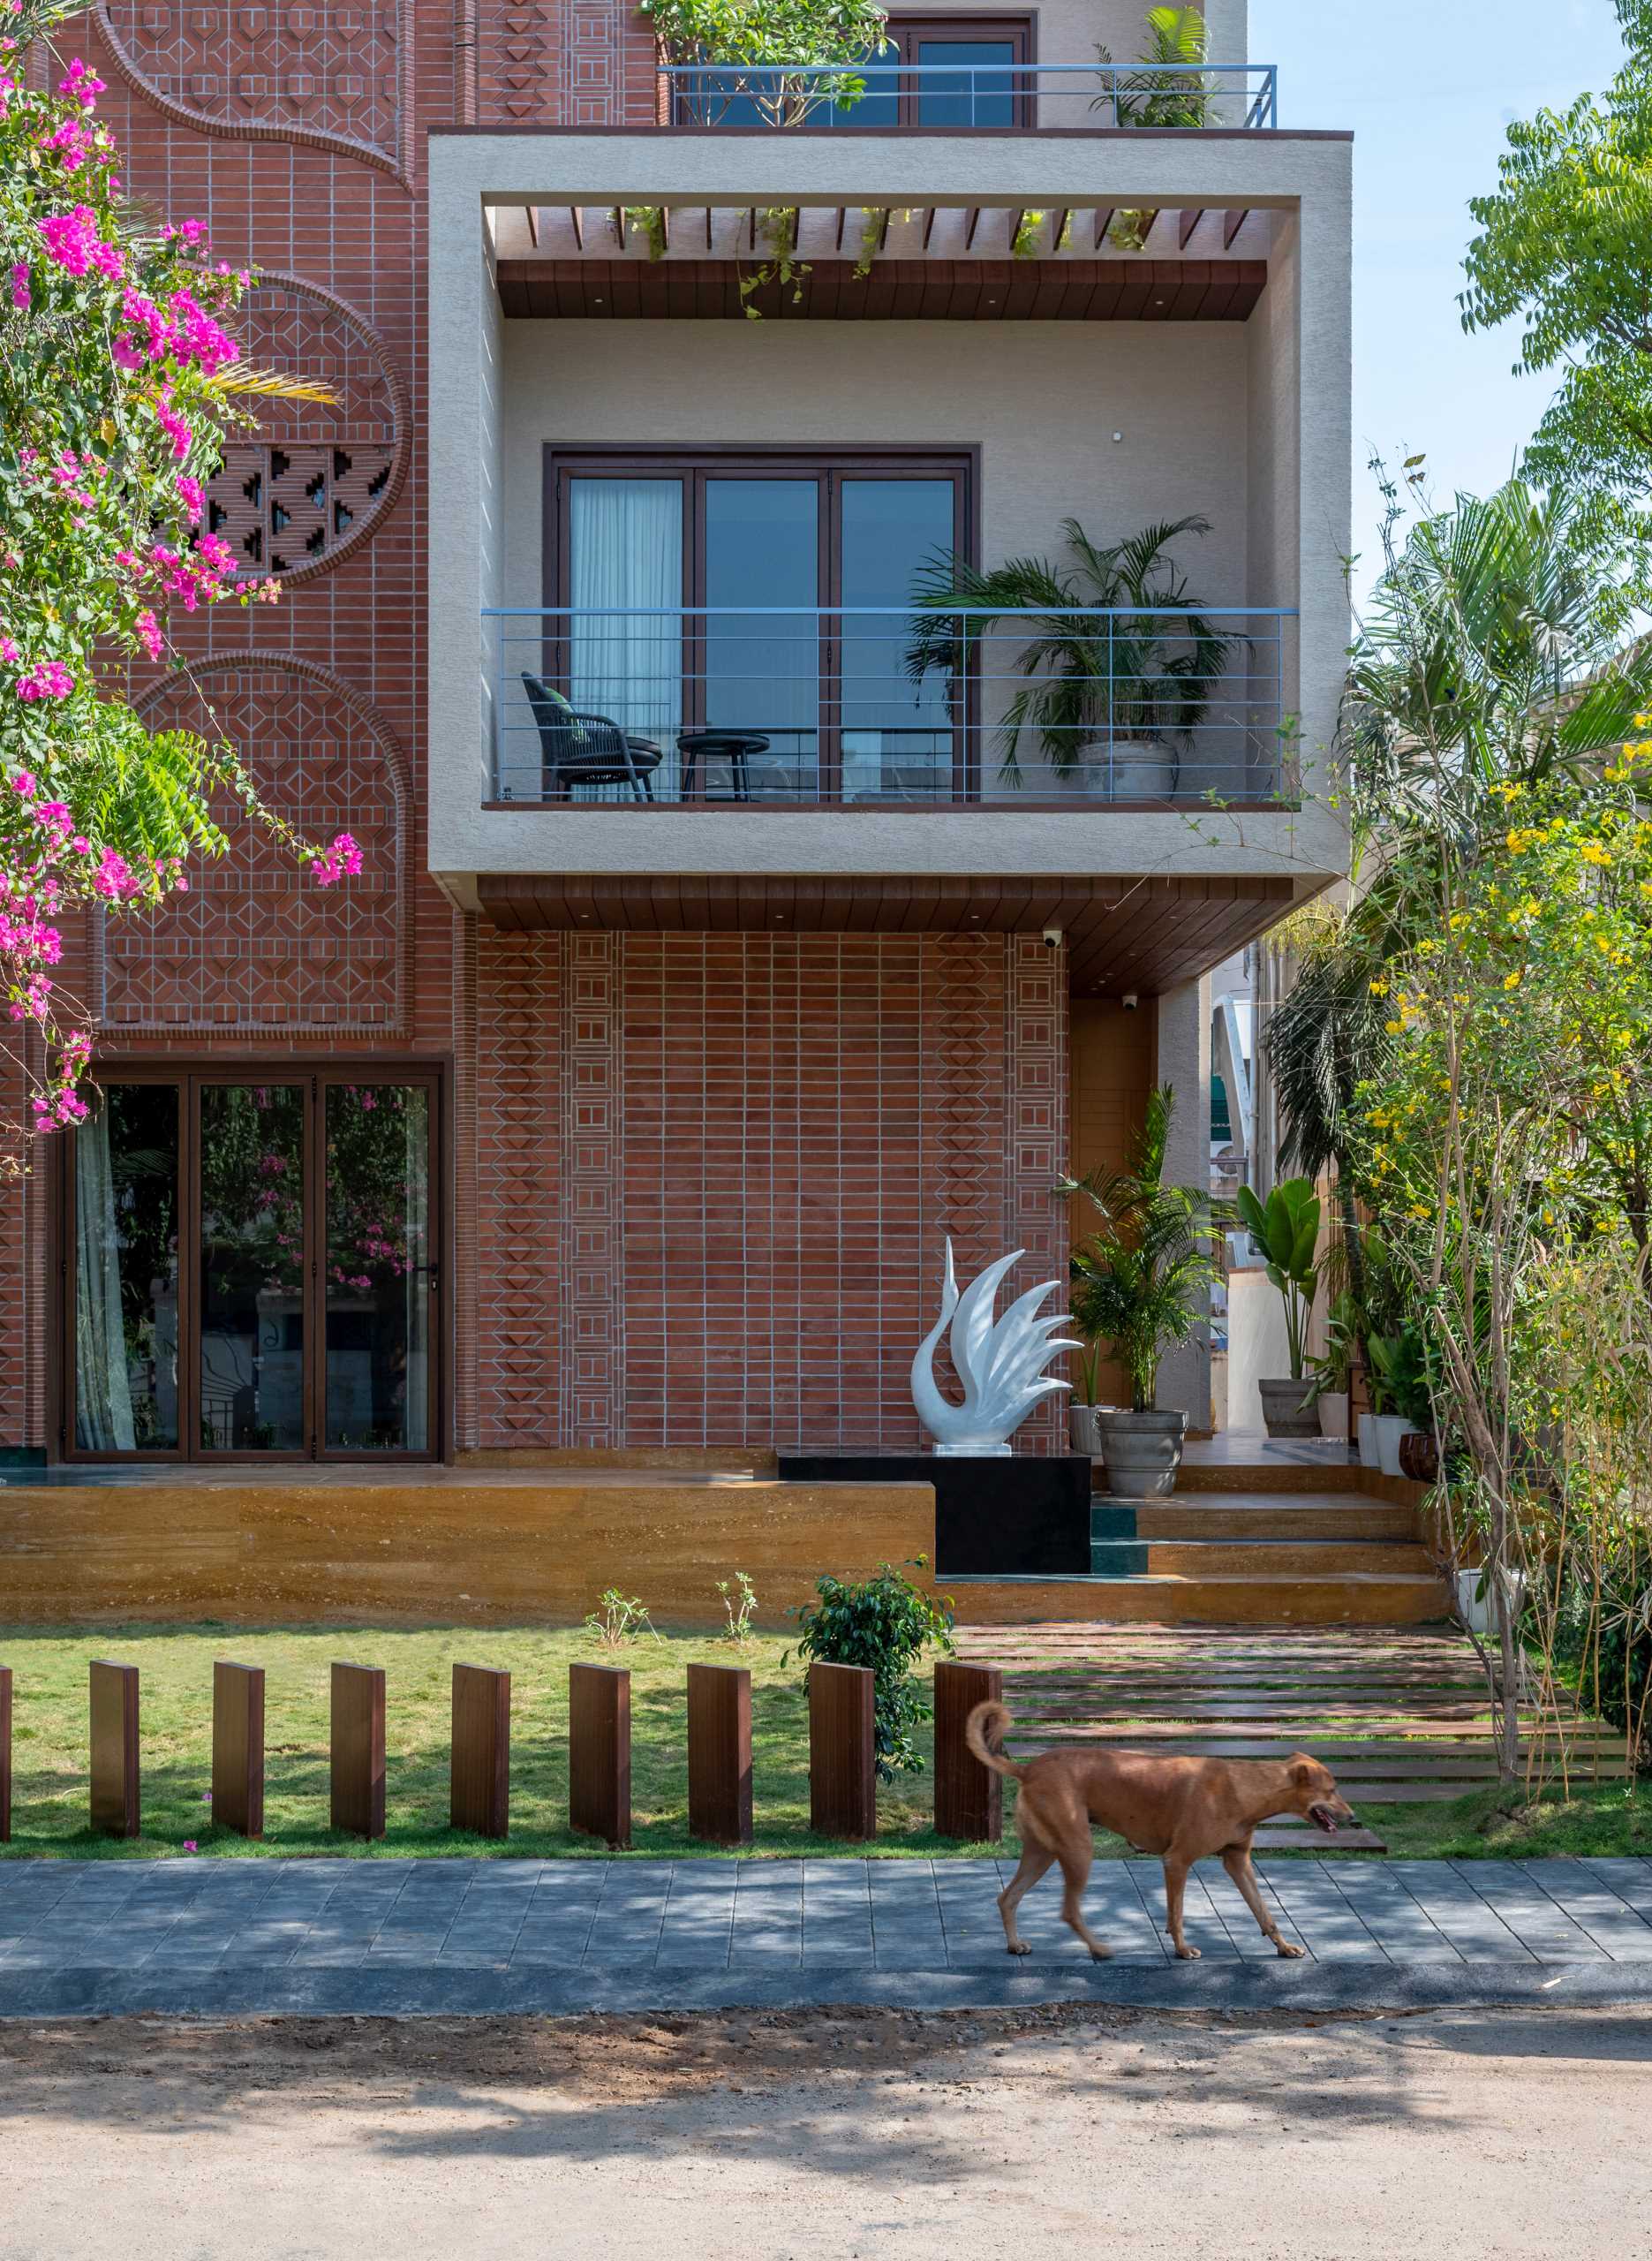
<point x="252" y="1392"/>
<point x="896" y="736"/>
<point x="378" y="1268"/>
<point x="762" y="671"/>
<point x="125" y="1304"/>
<point x="254" y="1268"/>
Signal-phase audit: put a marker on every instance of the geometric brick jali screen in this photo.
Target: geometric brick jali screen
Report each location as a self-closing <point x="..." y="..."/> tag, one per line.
<point x="256" y="945"/>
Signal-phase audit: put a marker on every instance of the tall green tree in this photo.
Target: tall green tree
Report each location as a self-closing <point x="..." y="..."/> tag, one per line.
<point x="1566" y="246"/>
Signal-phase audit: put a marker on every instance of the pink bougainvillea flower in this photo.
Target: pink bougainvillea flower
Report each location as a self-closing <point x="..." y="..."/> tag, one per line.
<point x="148" y="631"/>
<point x="78" y="85"/>
<point x="189" y="1845"/>
<point x="20" y="298"/>
<point x="46" y="679"/>
<point x="72" y="242"/>
<point x="341" y="860"/>
<point x="193" y="494"/>
<point x="10" y="652"/>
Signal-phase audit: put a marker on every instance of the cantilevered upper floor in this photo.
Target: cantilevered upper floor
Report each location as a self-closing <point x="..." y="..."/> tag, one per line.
<point x="725" y="417"/>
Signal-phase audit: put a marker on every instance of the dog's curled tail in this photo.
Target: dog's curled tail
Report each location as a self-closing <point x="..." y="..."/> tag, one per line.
<point x="983" y="1731"/>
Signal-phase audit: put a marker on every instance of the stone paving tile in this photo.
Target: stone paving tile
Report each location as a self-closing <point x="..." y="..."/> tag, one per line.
<point x="1615" y="1915"/>
<point x="1456" y="1908"/>
<point x="1389" y="1913"/>
<point x="1329" y="1927"/>
<point x="1538" y="1922"/>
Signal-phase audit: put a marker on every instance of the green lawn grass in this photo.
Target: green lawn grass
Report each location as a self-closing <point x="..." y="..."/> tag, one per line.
<point x="49" y="1803"/>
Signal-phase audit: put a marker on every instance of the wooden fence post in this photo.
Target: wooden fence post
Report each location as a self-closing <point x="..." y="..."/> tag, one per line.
<point x="842" y="1779"/>
<point x="479" y="1775"/>
<point x="237" y="1748"/>
<point x="357" y="1750"/>
<point x="115" y="1802"/>
<point x="720" y="1753"/>
<point x="599" y="1752"/>
<point x="968" y="1797"/>
<point x="5" y="1754"/>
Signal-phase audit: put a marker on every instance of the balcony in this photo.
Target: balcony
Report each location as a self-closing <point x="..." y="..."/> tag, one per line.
<point x="886" y="708"/>
<point x="1001" y="94"/>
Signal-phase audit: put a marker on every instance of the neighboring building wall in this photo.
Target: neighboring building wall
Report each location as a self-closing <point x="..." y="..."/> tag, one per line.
<point x="716" y="1173"/>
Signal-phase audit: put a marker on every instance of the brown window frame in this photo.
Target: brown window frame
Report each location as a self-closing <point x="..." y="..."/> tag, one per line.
<point x="903" y="31"/>
<point x="832" y="467"/>
<point x="190" y="1079"/>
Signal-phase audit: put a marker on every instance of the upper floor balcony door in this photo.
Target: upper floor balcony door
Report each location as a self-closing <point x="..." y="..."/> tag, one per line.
<point x="747" y="617"/>
<point x="951" y="72"/>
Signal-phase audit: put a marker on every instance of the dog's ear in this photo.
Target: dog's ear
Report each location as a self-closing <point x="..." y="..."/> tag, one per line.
<point x="1304" y="1770"/>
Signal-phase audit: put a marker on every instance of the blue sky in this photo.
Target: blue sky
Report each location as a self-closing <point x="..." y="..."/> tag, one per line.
<point x="1428" y="91"/>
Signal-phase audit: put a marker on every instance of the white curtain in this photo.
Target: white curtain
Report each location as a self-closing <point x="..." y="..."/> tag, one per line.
<point x="103" y="1421"/>
<point x="625" y="536"/>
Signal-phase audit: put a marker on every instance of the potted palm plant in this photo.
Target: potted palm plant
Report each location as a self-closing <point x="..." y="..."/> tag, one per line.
<point x="1121" y="662"/>
<point x="1285" y="1230"/>
<point x="1137" y="1287"/>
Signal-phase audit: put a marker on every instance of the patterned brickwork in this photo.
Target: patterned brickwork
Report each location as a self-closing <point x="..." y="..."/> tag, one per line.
<point x="519" y="1252"/>
<point x="1036" y="1136"/>
<point x="742" y="1215"/>
<point x="330" y="70"/>
<point x="256" y="944"/>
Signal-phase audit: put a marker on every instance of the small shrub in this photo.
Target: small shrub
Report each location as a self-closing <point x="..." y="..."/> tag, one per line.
<point x="739" y="1613"/>
<point x="885" y="1623"/>
<point x="618" y="1618"/>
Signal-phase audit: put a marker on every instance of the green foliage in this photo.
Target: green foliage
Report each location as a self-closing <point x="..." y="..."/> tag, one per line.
<point x="885" y="1624"/>
<point x="1565" y="247"/>
<point x="769" y="46"/>
<point x="619" y="1619"/>
<point x="1171" y="88"/>
<point x="1133" y="677"/>
<point x="1139" y="1282"/>
<point x="1400" y="1378"/>
<point x="739" y="1612"/>
<point x="1285" y="1230"/>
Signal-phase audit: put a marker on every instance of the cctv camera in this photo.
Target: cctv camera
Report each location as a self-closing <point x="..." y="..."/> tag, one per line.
<point x="1129" y="1001"/>
<point x="1053" y="938"/>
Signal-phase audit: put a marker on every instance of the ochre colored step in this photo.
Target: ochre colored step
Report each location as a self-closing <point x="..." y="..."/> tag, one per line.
<point x="1351" y="1516"/>
<point x="1309" y="1557"/>
<point x="1269" y="1475"/>
<point x="1359" y="1598"/>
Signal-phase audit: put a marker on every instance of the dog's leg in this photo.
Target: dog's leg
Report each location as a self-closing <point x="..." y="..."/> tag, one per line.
<point x="1035" y="1860"/>
<point x="1076" y="1862"/>
<point x="1236" y="1861"/>
<point x="1175" y="1886"/>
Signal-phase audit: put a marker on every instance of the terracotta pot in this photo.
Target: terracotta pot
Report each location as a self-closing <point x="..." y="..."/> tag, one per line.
<point x="1289" y="1409"/>
<point x="1419" y="1457"/>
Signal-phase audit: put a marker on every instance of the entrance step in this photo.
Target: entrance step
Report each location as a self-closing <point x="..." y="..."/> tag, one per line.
<point x="1318" y="1558"/>
<point x="1350" y="1598"/>
<point x="1350" y="1516"/>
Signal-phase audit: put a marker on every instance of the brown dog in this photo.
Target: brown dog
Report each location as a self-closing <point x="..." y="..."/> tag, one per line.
<point x="1181" y="1808"/>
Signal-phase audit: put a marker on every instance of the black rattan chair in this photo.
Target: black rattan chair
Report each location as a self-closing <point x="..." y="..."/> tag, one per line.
<point x="578" y="749"/>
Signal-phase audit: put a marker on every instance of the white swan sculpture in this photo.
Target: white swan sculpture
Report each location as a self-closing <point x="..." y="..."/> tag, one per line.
<point x="998" y="1363"/>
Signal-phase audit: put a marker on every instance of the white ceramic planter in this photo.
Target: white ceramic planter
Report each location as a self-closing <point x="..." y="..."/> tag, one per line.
<point x="1478" y="1611"/>
<point x="1129" y="769"/>
<point x="1142" y="1451"/>
<point x="1389" y="1429"/>
<point x="1285" y="1409"/>
<point x="1370" y="1457"/>
<point x="1333" y="1416"/>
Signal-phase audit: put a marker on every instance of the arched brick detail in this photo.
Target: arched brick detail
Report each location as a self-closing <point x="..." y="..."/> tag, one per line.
<point x="328" y="74"/>
<point x="257" y="948"/>
<point x="321" y="477"/>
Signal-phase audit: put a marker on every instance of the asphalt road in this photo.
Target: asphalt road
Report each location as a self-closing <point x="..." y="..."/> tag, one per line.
<point x="1024" y="2133"/>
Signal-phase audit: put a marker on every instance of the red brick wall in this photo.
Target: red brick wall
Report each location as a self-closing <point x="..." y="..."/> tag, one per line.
<point x="698" y="1186"/>
<point x="716" y="1174"/>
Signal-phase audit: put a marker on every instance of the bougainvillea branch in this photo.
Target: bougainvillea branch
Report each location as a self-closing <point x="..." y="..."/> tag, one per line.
<point x="118" y="384"/>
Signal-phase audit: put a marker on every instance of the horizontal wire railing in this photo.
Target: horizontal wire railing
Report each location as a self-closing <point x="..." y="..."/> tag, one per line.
<point x="885" y="706"/>
<point x="888" y="94"/>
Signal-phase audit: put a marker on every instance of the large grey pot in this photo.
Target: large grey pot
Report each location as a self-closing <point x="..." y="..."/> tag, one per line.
<point x="1288" y="1409"/>
<point x="1142" y="1451"/>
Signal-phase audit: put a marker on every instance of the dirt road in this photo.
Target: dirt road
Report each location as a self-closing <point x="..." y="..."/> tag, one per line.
<point x="841" y="2135"/>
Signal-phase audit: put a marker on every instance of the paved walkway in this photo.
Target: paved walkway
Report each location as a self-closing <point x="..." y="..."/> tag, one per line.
<point x="392" y="1935"/>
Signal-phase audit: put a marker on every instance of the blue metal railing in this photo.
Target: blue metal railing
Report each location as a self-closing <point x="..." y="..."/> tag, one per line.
<point x="968" y="97"/>
<point x="887" y="705"/>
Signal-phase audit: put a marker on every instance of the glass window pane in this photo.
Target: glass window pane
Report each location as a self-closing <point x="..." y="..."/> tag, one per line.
<point x="897" y="734"/>
<point x="964" y="82"/>
<point x="126" y="1302"/>
<point x="252" y="1267"/>
<point x="625" y="645"/>
<point x="378" y="1268"/>
<point x="762" y="671"/>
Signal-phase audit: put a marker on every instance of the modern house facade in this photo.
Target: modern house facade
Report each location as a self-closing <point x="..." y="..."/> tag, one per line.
<point x="721" y="950"/>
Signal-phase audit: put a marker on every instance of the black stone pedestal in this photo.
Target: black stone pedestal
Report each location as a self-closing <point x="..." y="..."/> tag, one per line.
<point x="1022" y="1517"/>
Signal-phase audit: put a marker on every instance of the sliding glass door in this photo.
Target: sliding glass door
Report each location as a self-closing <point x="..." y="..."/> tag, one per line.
<point x="792" y="574"/>
<point x="254" y="1268"/>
